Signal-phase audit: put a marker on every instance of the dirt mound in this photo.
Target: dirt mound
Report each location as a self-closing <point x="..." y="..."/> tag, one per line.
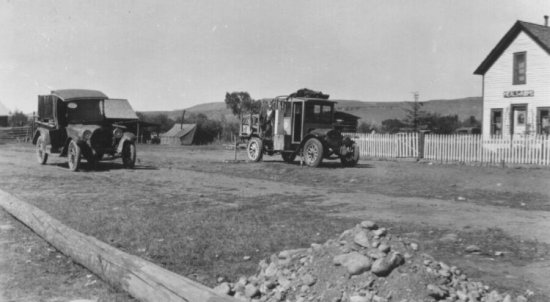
<point x="364" y="264"/>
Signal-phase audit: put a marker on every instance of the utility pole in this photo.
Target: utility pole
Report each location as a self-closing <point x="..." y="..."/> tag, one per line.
<point x="416" y="109"/>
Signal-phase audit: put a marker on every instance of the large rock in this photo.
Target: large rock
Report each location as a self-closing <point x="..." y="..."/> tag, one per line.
<point x="473" y="249"/>
<point x="375" y="253"/>
<point x="437" y="292"/>
<point x="223" y="288"/>
<point x="361" y="239"/>
<point x="271" y="270"/>
<point x="384" y="266"/>
<point x="380" y="232"/>
<point x="308" y="279"/>
<point x="354" y="262"/>
<point x="359" y="299"/>
<point x="369" y="225"/>
<point x="250" y="291"/>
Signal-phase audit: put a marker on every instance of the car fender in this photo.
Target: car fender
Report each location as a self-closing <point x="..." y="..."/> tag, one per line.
<point x="126" y="137"/>
<point x="41" y="132"/>
<point x="310" y="135"/>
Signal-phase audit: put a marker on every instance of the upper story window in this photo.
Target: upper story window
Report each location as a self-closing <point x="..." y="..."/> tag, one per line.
<point x="520" y="68"/>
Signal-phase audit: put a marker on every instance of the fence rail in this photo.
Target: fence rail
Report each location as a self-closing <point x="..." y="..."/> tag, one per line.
<point x="531" y="150"/>
<point x="16" y="133"/>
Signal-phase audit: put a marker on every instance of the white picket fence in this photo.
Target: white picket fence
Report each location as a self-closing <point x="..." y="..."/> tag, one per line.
<point x="531" y="150"/>
<point x="387" y="145"/>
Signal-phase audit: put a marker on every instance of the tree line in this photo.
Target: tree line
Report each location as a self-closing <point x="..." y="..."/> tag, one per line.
<point x="417" y="120"/>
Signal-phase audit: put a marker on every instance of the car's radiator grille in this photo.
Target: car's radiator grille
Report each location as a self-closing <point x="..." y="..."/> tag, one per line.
<point x="101" y="138"/>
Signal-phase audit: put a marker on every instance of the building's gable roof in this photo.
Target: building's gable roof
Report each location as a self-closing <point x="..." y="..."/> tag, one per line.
<point x="539" y="33"/>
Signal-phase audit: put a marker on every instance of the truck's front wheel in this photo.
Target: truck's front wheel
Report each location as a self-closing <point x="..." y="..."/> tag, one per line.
<point x="351" y="159"/>
<point x="255" y="149"/>
<point x="313" y="152"/>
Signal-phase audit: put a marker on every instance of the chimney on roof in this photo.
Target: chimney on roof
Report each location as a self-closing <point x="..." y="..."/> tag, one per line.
<point x="546" y="20"/>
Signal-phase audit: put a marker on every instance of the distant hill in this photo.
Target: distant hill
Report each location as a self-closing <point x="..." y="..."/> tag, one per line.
<point x="376" y="112"/>
<point x="371" y="112"/>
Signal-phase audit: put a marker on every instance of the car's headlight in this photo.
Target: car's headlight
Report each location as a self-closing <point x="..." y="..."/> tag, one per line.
<point x="118" y="133"/>
<point x="87" y="135"/>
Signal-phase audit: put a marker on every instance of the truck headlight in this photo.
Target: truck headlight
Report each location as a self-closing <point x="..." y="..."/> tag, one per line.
<point x="87" y="135"/>
<point x="118" y="133"/>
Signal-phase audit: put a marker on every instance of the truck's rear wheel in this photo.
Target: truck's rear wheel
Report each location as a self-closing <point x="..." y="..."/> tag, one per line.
<point x="288" y="157"/>
<point x="41" y="154"/>
<point x="255" y="149"/>
<point x="351" y="159"/>
<point x="313" y="152"/>
<point x="73" y="156"/>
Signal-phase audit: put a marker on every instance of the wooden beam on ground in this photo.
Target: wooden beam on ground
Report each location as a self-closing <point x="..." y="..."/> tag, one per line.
<point x="142" y="279"/>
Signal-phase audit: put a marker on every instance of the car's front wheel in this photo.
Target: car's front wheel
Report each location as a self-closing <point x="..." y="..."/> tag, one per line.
<point x="41" y="154"/>
<point x="74" y="156"/>
<point x="129" y="155"/>
<point x="254" y="149"/>
<point x="313" y="152"/>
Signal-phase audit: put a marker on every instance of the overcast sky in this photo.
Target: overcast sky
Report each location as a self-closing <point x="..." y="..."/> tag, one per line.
<point x="164" y="55"/>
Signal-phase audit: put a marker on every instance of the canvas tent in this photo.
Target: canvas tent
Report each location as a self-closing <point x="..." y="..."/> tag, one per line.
<point x="180" y="134"/>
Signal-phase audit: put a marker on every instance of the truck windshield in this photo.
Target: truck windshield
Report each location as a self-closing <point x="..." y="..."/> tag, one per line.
<point x="84" y="111"/>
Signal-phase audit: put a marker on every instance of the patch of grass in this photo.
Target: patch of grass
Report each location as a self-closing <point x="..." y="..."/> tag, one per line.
<point x="206" y="241"/>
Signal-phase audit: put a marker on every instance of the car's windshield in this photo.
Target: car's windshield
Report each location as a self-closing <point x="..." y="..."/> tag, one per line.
<point x="84" y="111"/>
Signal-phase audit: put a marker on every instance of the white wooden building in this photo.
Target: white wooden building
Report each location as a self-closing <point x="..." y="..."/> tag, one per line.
<point x="516" y="82"/>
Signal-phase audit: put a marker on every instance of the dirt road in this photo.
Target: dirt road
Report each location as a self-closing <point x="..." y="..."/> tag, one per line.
<point x="502" y="209"/>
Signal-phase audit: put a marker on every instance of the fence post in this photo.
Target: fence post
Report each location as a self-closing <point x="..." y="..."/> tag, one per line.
<point x="421" y="141"/>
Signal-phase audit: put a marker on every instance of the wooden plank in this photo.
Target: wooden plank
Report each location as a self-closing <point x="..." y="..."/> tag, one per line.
<point x="141" y="279"/>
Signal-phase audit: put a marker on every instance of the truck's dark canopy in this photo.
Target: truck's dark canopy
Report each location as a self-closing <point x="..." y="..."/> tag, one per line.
<point x="308" y="93"/>
<point x="72" y="94"/>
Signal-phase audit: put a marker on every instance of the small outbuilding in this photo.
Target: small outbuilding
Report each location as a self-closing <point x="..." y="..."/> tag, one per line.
<point x="4" y="113"/>
<point x="180" y="134"/>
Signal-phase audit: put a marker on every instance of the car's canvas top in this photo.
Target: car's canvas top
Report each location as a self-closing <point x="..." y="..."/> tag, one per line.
<point x="71" y="94"/>
<point x="119" y="109"/>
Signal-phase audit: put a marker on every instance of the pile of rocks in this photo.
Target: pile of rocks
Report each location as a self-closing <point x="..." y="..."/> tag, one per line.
<point x="364" y="264"/>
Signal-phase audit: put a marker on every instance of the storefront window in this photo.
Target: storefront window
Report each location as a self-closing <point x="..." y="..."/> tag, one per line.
<point x="543" y="121"/>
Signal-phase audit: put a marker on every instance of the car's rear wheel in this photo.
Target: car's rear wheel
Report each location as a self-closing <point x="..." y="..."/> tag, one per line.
<point x="41" y="154"/>
<point x="313" y="152"/>
<point x="254" y="149"/>
<point x="351" y="159"/>
<point x="288" y="157"/>
<point x="129" y="155"/>
<point x="73" y="156"/>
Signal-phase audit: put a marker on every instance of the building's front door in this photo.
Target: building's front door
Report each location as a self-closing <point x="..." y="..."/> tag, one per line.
<point x="519" y="120"/>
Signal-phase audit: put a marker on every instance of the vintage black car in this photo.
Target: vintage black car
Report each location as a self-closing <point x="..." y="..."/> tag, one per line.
<point x="293" y="126"/>
<point x="79" y="123"/>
